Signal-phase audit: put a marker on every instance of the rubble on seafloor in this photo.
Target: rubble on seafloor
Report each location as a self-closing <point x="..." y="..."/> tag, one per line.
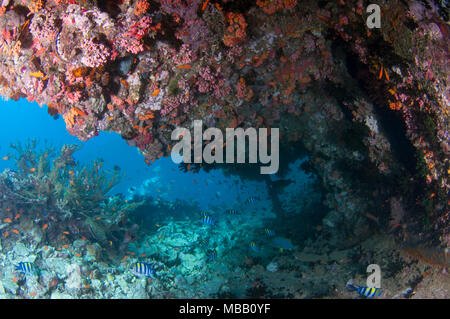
<point x="317" y="270"/>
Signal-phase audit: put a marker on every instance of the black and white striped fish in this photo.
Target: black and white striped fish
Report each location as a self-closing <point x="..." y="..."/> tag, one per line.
<point x="208" y="220"/>
<point x="142" y="270"/>
<point x="251" y="200"/>
<point x="26" y="267"/>
<point x="368" y="292"/>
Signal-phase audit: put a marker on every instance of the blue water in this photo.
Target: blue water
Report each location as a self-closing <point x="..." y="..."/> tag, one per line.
<point x="163" y="229"/>
<point x="22" y="120"/>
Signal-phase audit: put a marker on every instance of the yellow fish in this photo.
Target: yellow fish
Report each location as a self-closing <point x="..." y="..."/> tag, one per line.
<point x="37" y="74"/>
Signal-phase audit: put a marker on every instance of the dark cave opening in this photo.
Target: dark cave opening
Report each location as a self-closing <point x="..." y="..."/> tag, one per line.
<point x="390" y="121"/>
<point x="298" y="226"/>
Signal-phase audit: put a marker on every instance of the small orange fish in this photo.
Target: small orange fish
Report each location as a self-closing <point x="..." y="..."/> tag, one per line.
<point x="184" y="66"/>
<point x="77" y="254"/>
<point x="17" y="216"/>
<point x="45" y="247"/>
<point x="33" y="169"/>
<point x="205" y="5"/>
<point x="71" y="183"/>
<point x="45" y="227"/>
<point x="15" y="279"/>
<point x="83" y="238"/>
<point x="381" y="73"/>
<point x="386" y="74"/>
<point x="87" y="286"/>
<point x="37" y="74"/>
<point x="7" y="220"/>
<point x="66" y="246"/>
<point x="63" y="237"/>
<point x="71" y="172"/>
<point x="124" y="82"/>
<point x="26" y="24"/>
<point x="66" y="232"/>
<point x="79" y="112"/>
<point x="6" y="234"/>
<point x="124" y="258"/>
<point x="33" y="294"/>
<point x="323" y="18"/>
<point x="5" y="158"/>
<point x="98" y="218"/>
<point x="156" y="92"/>
<point x="15" y="231"/>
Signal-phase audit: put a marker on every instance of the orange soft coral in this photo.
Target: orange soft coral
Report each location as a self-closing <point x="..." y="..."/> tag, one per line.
<point x="36" y="5"/>
<point x="141" y="7"/>
<point x="272" y="6"/>
<point x="69" y="117"/>
<point x="235" y="32"/>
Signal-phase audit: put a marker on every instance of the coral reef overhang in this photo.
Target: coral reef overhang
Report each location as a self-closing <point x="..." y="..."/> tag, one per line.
<point x="370" y="106"/>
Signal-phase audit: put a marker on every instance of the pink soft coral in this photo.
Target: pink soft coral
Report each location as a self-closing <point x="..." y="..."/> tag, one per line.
<point x="95" y="54"/>
<point x="131" y="39"/>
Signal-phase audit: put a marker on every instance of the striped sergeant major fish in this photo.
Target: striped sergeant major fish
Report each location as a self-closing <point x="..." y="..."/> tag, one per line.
<point x="142" y="270"/>
<point x="208" y="220"/>
<point x="26" y="267"/>
<point x="269" y="232"/>
<point x="254" y="247"/>
<point x="231" y="212"/>
<point x="368" y="292"/>
<point x="251" y="199"/>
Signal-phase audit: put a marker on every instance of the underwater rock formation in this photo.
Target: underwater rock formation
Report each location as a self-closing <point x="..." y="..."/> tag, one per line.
<point x="370" y="106"/>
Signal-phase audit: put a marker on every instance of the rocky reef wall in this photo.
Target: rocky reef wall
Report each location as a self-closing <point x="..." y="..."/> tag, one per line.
<point x="369" y="105"/>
